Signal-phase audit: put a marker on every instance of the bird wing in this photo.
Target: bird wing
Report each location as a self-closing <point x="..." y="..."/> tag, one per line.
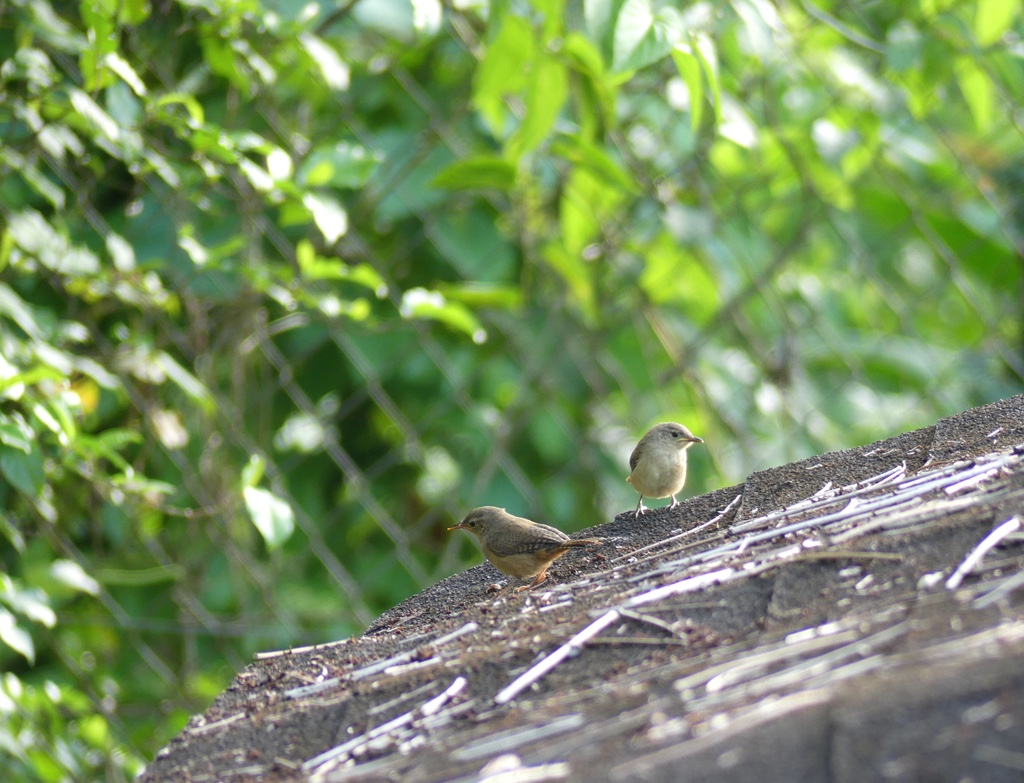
<point x="537" y="537"/>
<point x="634" y="457"/>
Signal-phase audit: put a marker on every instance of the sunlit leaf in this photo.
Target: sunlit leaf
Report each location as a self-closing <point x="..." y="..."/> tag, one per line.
<point x="30" y="602"/>
<point x="689" y="68"/>
<point x="597" y="160"/>
<point x="258" y="176"/>
<point x="673" y="275"/>
<point x="192" y="106"/>
<point x="587" y="203"/>
<point x="704" y="49"/>
<point x="328" y="214"/>
<point x="253" y="471"/>
<point x="480" y="172"/>
<point x="503" y="70"/>
<point x="316" y="267"/>
<point x="334" y="70"/>
<point x="644" y="36"/>
<point x="978" y="91"/>
<point x="426" y="16"/>
<point x="97" y="119"/>
<point x="71" y="574"/>
<point x="16" y="308"/>
<point x="479" y="294"/>
<point x="123" y="68"/>
<point x="546" y="94"/>
<point x="30" y="378"/>
<point x="635" y="20"/>
<point x="37" y="237"/>
<point x="421" y="303"/>
<point x="15" y="637"/>
<point x="16" y="433"/>
<point x="993" y="18"/>
<point x="271" y="515"/>
<point x="345" y="165"/>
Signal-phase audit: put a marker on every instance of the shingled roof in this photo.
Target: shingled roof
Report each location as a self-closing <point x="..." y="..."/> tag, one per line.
<point x="850" y="617"/>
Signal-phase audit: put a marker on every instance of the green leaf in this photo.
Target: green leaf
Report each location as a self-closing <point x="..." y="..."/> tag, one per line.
<point x="503" y="70"/>
<point x="704" y="49"/>
<point x="16" y="433"/>
<point x="22" y="313"/>
<point x="34" y="235"/>
<point x="596" y="97"/>
<point x="643" y="37"/>
<point x="588" y="202"/>
<point x="426" y="16"/>
<point x="599" y="16"/>
<point x="903" y="46"/>
<point x="993" y="18"/>
<point x="252" y="473"/>
<point x="30" y="602"/>
<point x="271" y="515"/>
<point x="31" y="377"/>
<point x="186" y="381"/>
<point x="480" y="294"/>
<point x="344" y="165"/>
<point x="577" y="276"/>
<point x="421" y="303"/>
<point x="122" y="68"/>
<point x="480" y="172"/>
<point x="978" y="91"/>
<point x="546" y="94"/>
<point x="71" y="574"/>
<point x="597" y="161"/>
<point x="107" y="445"/>
<point x="96" y="119"/>
<point x="187" y="101"/>
<point x="689" y="68"/>
<point x="15" y="637"/>
<point x="316" y="267"/>
<point x="328" y="215"/>
<point x="634" y="22"/>
<point x="333" y="69"/>
<point x="672" y="275"/>
<point x="34" y="177"/>
<point x="23" y="471"/>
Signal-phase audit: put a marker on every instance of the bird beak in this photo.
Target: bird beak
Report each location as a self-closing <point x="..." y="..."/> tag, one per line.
<point x="695" y="439"/>
<point x="457" y="527"/>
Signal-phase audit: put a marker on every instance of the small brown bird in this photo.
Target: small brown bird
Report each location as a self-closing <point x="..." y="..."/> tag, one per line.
<point x="516" y="546"/>
<point x="658" y="463"/>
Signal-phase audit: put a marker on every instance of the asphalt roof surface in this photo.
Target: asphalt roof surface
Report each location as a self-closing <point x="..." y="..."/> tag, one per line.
<point x="855" y="616"/>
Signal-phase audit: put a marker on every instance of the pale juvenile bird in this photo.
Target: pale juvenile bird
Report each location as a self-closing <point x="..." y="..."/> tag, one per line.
<point x="516" y="546"/>
<point x="658" y="463"/>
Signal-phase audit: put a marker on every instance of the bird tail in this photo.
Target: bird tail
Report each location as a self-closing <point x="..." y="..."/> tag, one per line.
<point x="582" y="542"/>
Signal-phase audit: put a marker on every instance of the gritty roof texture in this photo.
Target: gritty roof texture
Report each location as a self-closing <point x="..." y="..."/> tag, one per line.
<point x="856" y="616"/>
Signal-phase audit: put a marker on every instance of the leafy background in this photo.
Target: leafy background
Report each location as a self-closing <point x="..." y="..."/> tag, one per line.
<point x="286" y="288"/>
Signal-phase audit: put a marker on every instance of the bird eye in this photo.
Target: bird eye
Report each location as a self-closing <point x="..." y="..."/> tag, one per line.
<point x="675" y="434"/>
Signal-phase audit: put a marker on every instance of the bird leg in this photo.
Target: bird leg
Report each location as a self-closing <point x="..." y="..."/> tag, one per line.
<point x="674" y="502"/>
<point x="640" y="507"/>
<point x="536" y="581"/>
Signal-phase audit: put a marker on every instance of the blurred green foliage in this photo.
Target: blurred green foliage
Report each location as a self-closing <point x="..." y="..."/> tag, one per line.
<point x="285" y="288"/>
